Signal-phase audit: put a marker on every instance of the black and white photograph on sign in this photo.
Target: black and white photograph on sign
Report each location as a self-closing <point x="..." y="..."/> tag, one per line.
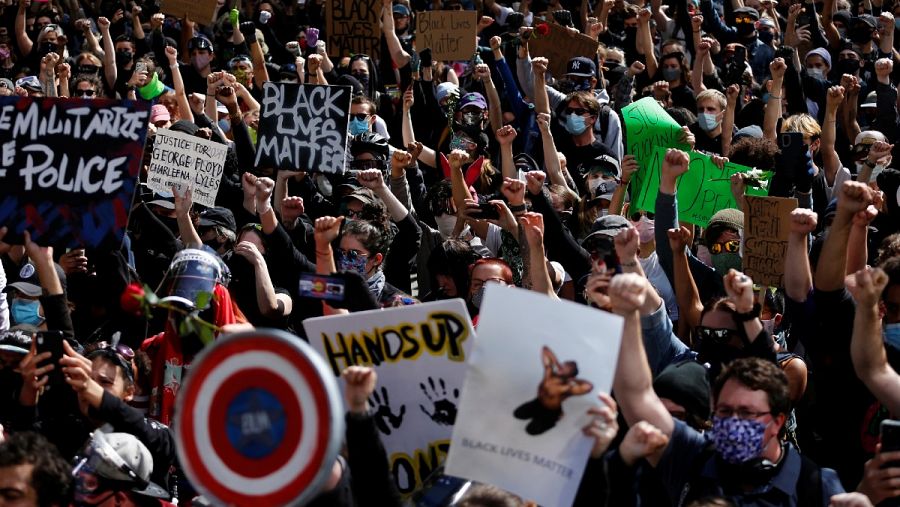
<point x="186" y="162"/>
<point x="536" y="369"/>
<point x="303" y="127"/>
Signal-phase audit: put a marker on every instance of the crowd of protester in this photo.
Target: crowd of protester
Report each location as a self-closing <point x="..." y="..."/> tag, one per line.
<point x="486" y="171"/>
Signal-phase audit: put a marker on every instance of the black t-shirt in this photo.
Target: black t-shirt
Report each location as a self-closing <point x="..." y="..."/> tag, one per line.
<point x="705" y="143"/>
<point x="193" y="81"/>
<point x="578" y="155"/>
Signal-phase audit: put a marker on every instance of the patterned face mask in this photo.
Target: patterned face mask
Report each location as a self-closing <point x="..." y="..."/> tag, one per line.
<point x="737" y="440"/>
<point x="351" y="260"/>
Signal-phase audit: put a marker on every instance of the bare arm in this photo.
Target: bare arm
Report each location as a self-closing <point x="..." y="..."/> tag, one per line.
<point x="541" y="100"/>
<point x="398" y="54"/>
<point x="136" y="26"/>
<point x="686" y="294"/>
<point x="270" y="304"/>
<point x="798" y="280"/>
<point x="852" y="198"/>
<point x="427" y="155"/>
<point x="533" y="228"/>
<point x="551" y="156"/>
<point x="186" y="229"/>
<point x="495" y="113"/>
<point x="22" y="39"/>
<point x="831" y="162"/>
<point x="645" y="42"/>
<point x="109" y="53"/>
<point x="184" y="107"/>
<point x="731" y="97"/>
<point x="773" y="105"/>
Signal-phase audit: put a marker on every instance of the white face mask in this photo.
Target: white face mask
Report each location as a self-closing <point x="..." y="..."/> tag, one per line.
<point x="446" y="223"/>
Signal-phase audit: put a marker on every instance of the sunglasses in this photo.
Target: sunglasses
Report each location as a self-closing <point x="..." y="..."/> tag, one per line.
<point x="637" y="215"/>
<point x="362" y="165"/>
<point x="577" y="111"/>
<point x="352" y="255"/>
<point x="359" y="116"/>
<point x="83" y="93"/>
<point x="728" y="246"/>
<point x="744" y="19"/>
<point x="715" y="335"/>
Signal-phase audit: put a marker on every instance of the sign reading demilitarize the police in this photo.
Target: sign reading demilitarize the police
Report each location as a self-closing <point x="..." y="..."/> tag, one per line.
<point x="303" y="127"/>
<point x="68" y="168"/>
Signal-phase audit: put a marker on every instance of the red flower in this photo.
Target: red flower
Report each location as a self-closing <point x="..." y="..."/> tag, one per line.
<point x="132" y="298"/>
<point x="543" y="29"/>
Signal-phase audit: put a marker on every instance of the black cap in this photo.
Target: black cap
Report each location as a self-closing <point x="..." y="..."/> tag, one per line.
<point x="200" y="42"/>
<point x="686" y="384"/>
<point x="218" y="216"/>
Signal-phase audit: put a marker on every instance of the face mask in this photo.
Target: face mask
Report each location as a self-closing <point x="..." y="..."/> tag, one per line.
<point x="860" y="36"/>
<point x="766" y="37"/>
<point x="4" y="53"/>
<point x="87" y="69"/>
<point x="225" y="125"/>
<point x="575" y="124"/>
<point x="671" y="73"/>
<point x="242" y="77"/>
<point x="215" y="245"/>
<point x="358" y="264"/>
<point x="769" y="326"/>
<point x="478" y="297"/>
<point x="737" y="440"/>
<point x="646" y="229"/>
<point x="630" y="35"/>
<point x="708" y="121"/>
<point x="200" y="61"/>
<point x="725" y="261"/>
<point x="745" y="29"/>
<point x="848" y="66"/>
<point x="446" y="223"/>
<point x="600" y="187"/>
<point x="357" y="127"/>
<point x="25" y="311"/>
<point x="362" y="77"/>
<point x="459" y="143"/>
<point x="891" y="334"/>
<point x="123" y="58"/>
<point x="472" y="119"/>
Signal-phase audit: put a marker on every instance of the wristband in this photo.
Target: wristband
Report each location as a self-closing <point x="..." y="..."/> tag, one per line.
<point x="628" y="264"/>
<point x="745" y="317"/>
<point x="518" y="208"/>
<point x="870" y="164"/>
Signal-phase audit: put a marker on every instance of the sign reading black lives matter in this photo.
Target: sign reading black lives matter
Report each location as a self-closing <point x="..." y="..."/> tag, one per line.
<point x="186" y="162"/>
<point x="303" y="127"/>
<point x="68" y="168"/>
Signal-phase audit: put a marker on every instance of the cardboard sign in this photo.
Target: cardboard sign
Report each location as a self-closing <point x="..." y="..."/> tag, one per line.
<point x="536" y="368"/>
<point x="187" y="162"/>
<point x="560" y="46"/>
<point x="200" y="11"/>
<point x="353" y="27"/>
<point x="419" y="353"/>
<point x="259" y="420"/>
<point x="303" y="127"/>
<point x="69" y="168"/>
<point x="449" y="34"/>
<point x="702" y="191"/>
<point x="647" y="126"/>
<point x="766" y="232"/>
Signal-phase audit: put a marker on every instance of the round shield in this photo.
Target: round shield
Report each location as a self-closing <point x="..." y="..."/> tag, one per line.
<point x="259" y="420"/>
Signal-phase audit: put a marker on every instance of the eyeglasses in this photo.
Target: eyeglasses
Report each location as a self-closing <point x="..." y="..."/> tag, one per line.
<point x="637" y="216"/>
<point x="731" y="246"/>
<point x="352" y="255"/>
<point x="354" y="214"/>
<point x="359" y="116"/>
<point x="715" y="335"/>
<point x="577" y="111"/>
<point x="83" y="93"/>
<point x="478" y="283"/>
<point x="741" y="413"/>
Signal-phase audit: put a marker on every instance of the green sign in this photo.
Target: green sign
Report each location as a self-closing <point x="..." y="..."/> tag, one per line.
<point x="647" y="126"/>
<point x="702" y="191"/>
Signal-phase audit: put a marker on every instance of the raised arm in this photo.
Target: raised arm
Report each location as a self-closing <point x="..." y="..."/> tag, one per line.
<point x="831" y="31"/>
<point x="398" y="54"/>
<point x="495" y="113"/>
<point x="645" y="42"/>
<point x="22" y="39"/>
<point x="426" y="154"/>
<point x="327" y="230"/>
<point x="505" y="136"/>
<point x="686" y="294"/>
<point x="853" y="197"/>
<point x="551" y="156"/>
<point x="109" y="53"/>
<point x="867" y="346"/>
<point x="533" y="226"/>
<point x="183" y="203"/>
<point x="137" y="29"/>
<point x="270" y="304"/>
<point x="773" y="105"/>
<point x="541" y="100"/>
<point x="798" y="280"/>
<point x="697" y="71"/>
<point x="831" y="161"/>
<point x="374" y="179"/>
<point x="731" y="97"/>
<point x="184" y="107"/>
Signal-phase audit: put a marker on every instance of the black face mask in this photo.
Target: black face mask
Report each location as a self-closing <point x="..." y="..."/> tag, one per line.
<point x="848" y="66"/>
<point x="717" y="355"/>
<point x="630" y="36"/>
<point x="92" y="70"/>
<point x="745" y="30"/>
<point x="363" y="79"/>
<point x="123" y="58"/>
<point x="860" y="35"/>
<point x="170" y="223"/>
<point x="213" y="243"/>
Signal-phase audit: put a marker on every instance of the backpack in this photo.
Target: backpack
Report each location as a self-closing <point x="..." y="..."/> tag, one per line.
<point x="809" y="481"/>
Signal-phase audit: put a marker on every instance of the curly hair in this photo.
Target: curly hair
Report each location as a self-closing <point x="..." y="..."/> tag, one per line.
<point x="51" y="476"/>
<point x="890" y="247"/>
<point x="758" y="375"/>
<point x="372" y="237"/>
<point x="754" y="152"/>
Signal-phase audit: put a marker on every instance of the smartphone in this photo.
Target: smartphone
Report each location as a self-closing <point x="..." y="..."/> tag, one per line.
<point x="740" y="55"/>
<point x="140" y="67"/>
<point x="486" y="211"/>
<point x="51" y="341"/>
<point x="48" y="47"/>
<point x="322" y="287"/>
<point x="793" y="152"/>
<point x="890" y="439"/>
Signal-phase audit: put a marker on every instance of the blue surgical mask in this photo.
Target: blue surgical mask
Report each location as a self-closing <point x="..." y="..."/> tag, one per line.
<point x="225" y="125"/>
<point x="25" y="311"/>
<point x="738" y="440"/>
<point x="671" y="73"/>
<point x="897" y="23"/>
<point x="575" y="124"/>
<point x="708" y="121"/>
<point x="891" y="334"/>
<point x="357" y="127"/>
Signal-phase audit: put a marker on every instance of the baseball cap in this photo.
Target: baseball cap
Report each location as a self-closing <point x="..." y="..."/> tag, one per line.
<point x="200" y="42"/>
<point x="728" y="218"/>
<point x="121" y="458"/>
<point x="7" y="83"/>
<point x="163" y="199"/>
<point x="747" y="11"/>
<point x="608" y="227"/>
<point x="400" y="9"/>
<point x="472" y="99"/>
<point x="526" y="162"/>
<point x="865" y="140"/>
<point x="581" y="66"/>
<point x="445" y="89"/>
<point x="753" y="131"/>
<point x="871" y="101"/>
<point x="363" y="195"/>
<point x="30" y="83"/>
<point x="159" y="113"/>
<point x="604" y="164"/>
<point x="27" y="282"/>
<point x="239" y="59"/>
<point x="867" y="19"/>
<point x="16" y="341"/>
<point x="821" y="53"/>
<point x="218" y="216"/>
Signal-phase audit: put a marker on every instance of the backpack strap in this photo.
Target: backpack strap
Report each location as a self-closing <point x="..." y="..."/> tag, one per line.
<point x="809" y="484"/>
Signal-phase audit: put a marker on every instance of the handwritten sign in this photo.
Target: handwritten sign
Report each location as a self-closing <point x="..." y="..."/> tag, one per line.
<point x="560" y="46"/>
<point x="449" y="34"/>
<point x="648" y="125"/>
<point x="536" y="368"/>
<point x="68" y="168"/>
<point x="766" y="233"/>
<point x="353" y="27"/>
<point x="201" y="11"/>
<point x="303" y="127"/>
<point x="702" y="191"/>
<point x="187" y="162"/>
<point x="420" y="354"/>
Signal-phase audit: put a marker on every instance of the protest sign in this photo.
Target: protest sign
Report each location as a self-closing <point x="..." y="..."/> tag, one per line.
<point x="259" y="420"/>
<point x="186" y="162"/>
<point x="449" y="34"/>
<point x="559" y="46"/>
<point x="702" y="191"/>
<point x="648" y="125"/>
<point x="419" y="354"/>
<point x="353" y="27"/>
<point x="303" y="127"/>
<point x="69" y="168"/>
<point x="536" y="368"/>
<point x="199" y="11"/>
<point x="767" y="228"/>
